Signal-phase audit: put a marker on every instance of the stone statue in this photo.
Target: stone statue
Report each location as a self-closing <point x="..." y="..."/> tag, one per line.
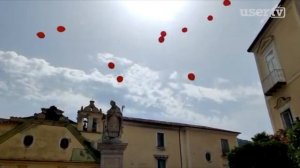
<point x="113" y="123"/>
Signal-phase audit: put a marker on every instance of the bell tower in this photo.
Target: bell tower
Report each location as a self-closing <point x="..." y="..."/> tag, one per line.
<point x="89" y="119"/>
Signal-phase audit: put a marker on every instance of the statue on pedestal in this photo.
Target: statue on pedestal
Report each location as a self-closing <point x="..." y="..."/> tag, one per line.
<point x="111" y="147"/>
<point x="113" y="124"/>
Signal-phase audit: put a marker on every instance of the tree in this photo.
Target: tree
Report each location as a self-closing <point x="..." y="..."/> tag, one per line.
<point x="294" y="142"/>
<point x="261" y="137"/>
<point x="264" y="152"/>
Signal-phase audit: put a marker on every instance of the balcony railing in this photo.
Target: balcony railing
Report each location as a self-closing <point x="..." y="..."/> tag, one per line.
<point x="273" y="81"/>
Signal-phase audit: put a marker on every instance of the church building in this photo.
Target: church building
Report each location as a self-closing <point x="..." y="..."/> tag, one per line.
<point x="50" y="140"/>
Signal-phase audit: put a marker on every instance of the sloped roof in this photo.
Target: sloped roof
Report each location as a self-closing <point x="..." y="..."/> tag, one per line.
<point x="174" y="124"/>
<point x="265" y="27"/>
<point x="154" y="122"/>
<point x="4" y="120"/>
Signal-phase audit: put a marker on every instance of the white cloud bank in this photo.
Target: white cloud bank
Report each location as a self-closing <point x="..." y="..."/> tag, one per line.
<point x="37" y="80"/>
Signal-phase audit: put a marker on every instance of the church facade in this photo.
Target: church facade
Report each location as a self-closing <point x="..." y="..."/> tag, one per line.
<point x="50" y="140"/>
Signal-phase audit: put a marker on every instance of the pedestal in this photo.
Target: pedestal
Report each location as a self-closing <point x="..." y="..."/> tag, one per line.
<point x="112" y="154"/>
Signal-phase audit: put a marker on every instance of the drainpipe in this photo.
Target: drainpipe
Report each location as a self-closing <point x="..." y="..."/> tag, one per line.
<point x="180" y="147"/>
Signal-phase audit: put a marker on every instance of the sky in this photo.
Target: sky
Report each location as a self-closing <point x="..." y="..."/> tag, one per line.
<point x="68" y="69"/>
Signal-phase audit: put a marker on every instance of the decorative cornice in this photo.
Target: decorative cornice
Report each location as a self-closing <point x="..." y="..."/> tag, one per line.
<point x="281" y="101"/>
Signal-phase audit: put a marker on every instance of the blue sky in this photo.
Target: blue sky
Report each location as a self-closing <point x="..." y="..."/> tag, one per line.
<point x="70" y="68"/>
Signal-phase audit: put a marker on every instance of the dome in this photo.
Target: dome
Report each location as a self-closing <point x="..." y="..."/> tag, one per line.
<point x="91" y="107"/>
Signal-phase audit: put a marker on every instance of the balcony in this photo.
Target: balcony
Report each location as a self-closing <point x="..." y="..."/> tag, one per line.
<point x="273" y="81"/>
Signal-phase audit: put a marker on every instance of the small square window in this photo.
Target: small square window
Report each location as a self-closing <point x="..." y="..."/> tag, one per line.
<point x="287" y="118"/>
<point x="160" y="140"/>
<point x="225" y="146"/>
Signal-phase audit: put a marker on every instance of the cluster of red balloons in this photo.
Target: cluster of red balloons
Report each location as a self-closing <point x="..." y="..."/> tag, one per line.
<point x="163" y="34"/>
<point x="111" y="65"/>
<point x="42" y="34"/>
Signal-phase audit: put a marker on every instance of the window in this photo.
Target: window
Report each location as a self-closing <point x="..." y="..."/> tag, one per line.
<point x="208" y="156"/>
<point x="160" y="140"/>
<point x="64" y="143"/>
<point x="28" y="140"/>
<point x="161" y="163"/>
<point x="94" y="125"/>
<point x="225" y="146"/>
<point x="271" y="59"/>
<point x="161" y="160"/>
<point x="287" y="118"/>
<point x="85" y="122"/>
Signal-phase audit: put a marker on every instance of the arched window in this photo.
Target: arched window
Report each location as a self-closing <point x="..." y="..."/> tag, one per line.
<point x="85" y="124"/>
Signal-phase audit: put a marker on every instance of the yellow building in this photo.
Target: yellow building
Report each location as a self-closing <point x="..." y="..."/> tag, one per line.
<point x="277" y="54"/>
<point x="51" y="140"/>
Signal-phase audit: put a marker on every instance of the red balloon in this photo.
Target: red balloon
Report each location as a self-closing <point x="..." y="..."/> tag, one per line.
<point x="161" y="39"/>
<point x="111" y="65"/>
<point x="226" y="2"/>
<point x="191" y="76"/>
<point x="61" y="28"/>
<point x="184" y="30"/>
<point x="120" y="79"/>
<point x="210" y="18"/>
<point x="41" y="34"/>
<point x="163" y="33"/>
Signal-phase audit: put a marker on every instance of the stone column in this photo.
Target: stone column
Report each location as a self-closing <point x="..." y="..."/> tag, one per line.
<point x="79" y="122"/>
<point x="112" y="154"/>
<point x="90" y="123"/>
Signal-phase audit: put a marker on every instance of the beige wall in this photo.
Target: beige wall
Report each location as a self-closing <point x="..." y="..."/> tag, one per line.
<point x="142" y="146"/>
<point x="202" y="141"/>
<point x="286" y="33"/>
<point x="194" y="144"/>
<point x="46" y="144"/>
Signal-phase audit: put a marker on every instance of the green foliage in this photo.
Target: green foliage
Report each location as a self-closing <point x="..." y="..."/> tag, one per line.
<point x="261" y="138"/>
<point x="281" y="150"/>
<point x="260" y="155"/>
<point x="294" y="142"/>
<point x="294" y="136"/>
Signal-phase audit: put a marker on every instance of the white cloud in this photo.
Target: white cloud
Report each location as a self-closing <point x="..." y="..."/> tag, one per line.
<point x="174" y="85"/>
<point x="37" y="80"/>
<point x="173" y="75"/>
<point x="220" y="94"/>
<point x="107" y="57"/>
<point x="215" y="94"/>
<point x="220" y="81"/>
<point x="244" y="91"/>
<point x="3" y="85"/>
